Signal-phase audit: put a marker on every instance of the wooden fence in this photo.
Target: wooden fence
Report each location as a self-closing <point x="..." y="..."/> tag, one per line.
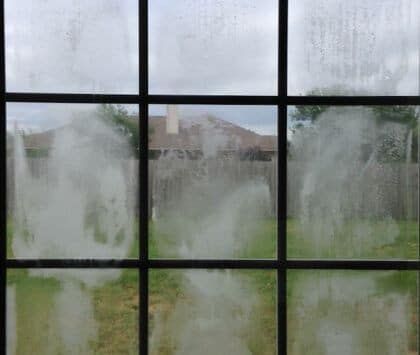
<point x="397" y="184"/>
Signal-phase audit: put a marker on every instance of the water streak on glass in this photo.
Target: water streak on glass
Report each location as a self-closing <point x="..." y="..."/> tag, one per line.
<point x="213" y="47"/>
<point x="352" y="313"/>
<point x="358" y="47"/>
<point x="72" y="46"/>
<point x="212" y="181"/>
<point x="72" y="180"/>
<point x="353" y="182"/>
<point x="212" y="312"/>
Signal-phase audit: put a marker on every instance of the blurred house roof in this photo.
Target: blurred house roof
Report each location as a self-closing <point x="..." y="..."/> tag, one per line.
<point x="39" y="140"/>
<point x="193" y="133"/>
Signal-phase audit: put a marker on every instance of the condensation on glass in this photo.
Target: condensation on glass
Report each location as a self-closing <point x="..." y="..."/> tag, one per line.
<point x="72" y="179"/>
<point x="213" y="312"/>
<point x="353" y="182"/>
<point x="212" y="181"/>
<point x="72" y="46"/>
<point x="358" y="47"/>
<point x="72" y="311"/>
<point x="352" y="312"/>
<point x="213" y="47"/>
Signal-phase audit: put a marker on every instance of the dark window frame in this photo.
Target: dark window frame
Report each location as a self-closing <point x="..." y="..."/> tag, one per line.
<point x="143" y="264"/>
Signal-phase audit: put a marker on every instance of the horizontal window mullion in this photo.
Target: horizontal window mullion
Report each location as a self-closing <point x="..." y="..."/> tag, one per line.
<point x="216" y="264"/>
<point x="72" y="98"/>
<point x="213" y="99"/>
<point x="353" y="264"/>
<point x="353" y="100"/>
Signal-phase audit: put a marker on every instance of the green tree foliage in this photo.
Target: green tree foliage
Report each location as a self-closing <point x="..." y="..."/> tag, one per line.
<point x="118" y="117"/>
<point x="397" y="113"/>
<point x="308" y="113"/>
<point x="311" y="113"/>
<point x="407" y="115"/>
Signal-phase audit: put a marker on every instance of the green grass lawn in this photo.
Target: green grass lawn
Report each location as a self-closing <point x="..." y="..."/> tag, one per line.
<point x="373" y="246"/>
<point x="262" y="245"/>
<point x="115" y="305"/>
<point x="115" y="302"/>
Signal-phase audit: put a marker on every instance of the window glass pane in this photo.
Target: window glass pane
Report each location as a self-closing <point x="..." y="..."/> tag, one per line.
<point x="72" y="311"/>
<point x="213" y="181"/>
<point x="212" y="312"/>
<point x="352" y="312"/>
<point x="213" y="47"/>
<point x="341" y="47"/>
<point x="72" y="46"/>
<point x="72" y="176"/>
<point x="353" y="183"/>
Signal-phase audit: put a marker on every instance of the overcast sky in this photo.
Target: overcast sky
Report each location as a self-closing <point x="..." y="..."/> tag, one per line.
<point x="209" y="47"/>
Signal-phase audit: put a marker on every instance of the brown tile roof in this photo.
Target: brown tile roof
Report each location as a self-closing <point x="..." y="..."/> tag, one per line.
<point x="193" y="133"/>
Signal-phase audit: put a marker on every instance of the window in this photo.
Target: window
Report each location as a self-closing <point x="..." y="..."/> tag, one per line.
<point x="233" y="177"/>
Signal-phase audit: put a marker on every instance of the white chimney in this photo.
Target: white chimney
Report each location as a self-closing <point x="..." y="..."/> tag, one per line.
<point x="172" y="120"/>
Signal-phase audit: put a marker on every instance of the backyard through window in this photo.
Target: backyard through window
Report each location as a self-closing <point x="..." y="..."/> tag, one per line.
<point x="210" y="177"/>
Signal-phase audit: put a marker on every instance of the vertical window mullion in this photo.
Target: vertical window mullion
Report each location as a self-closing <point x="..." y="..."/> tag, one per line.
<point x="282" y="229"/>
<point x="3" y="218"/>
<point x="282" y="180"/>
<point x="143" y="178"/>
<point x="143" y="231"/>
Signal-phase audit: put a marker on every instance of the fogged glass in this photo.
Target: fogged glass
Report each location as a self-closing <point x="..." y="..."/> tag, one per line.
<point x="72" y="311"/>
<point x="72" y="180"/>
<point x="213" y="47"/>
<point x="352" y="312"/>
<point x="212" y="312"/>
<point x="353" y="182"/>
<point x="72" y="46"/>
<point x="212" y="181"/>
<point x="358" y="47"/>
